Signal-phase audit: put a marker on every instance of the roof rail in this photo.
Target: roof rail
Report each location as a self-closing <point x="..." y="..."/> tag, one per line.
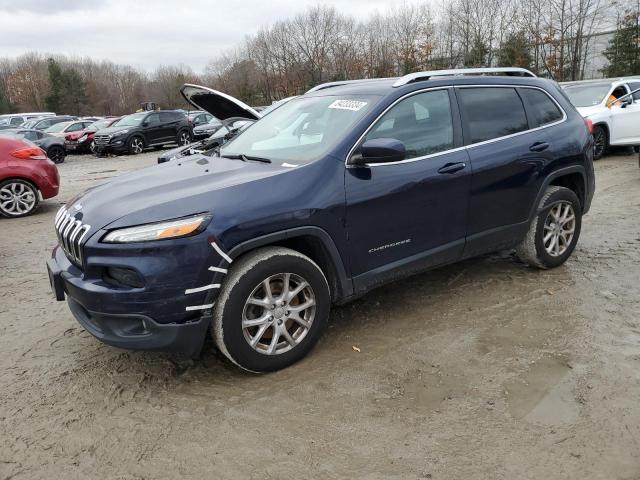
<point x="339" y="83"/>
<point x="419" y="76"/>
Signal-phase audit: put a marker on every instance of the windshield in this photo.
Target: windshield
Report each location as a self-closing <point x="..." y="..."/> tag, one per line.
<point x="99" y="125"/>
<point x="29" y="124"/>
<point x="587" y="95"/>
<point x="4" y="121"/>
<point x="132" y="120"/>
<point x="301" y="130"/>
<point x="58" y="127"/>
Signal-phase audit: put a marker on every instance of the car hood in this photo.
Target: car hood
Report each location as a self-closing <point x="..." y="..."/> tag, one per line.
<point x="588" y="111"/>
<point x="112" y="130"/>
<point x="166" y="191"/>
<point x="218" y="104"/>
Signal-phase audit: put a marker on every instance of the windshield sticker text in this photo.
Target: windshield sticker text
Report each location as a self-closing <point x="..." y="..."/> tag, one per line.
<point x="353" y="105"/>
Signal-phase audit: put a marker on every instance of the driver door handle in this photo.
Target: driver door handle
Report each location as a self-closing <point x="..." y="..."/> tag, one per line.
<point x="452" y="167"/>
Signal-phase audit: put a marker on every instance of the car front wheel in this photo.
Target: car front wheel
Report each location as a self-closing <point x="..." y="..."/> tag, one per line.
<point x="184" y="138"/>
<point x="272" y="309"/>
<point x="554" y="231"/>
<point x="18" y="198"/>
<point x="56" y="154"/>
<point x="600" y="142"/>
<point x="135" y="145"/>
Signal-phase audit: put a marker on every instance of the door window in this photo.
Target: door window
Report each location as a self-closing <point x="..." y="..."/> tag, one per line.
<point x="422" y="122"/>
<point x="16" y="121"/>
<point x="635" y="86"/>
<point x="492" y="112"/>
<point x="542" y="108"/>
<point x="76" y="127"/>
<point x="153" y="119"/>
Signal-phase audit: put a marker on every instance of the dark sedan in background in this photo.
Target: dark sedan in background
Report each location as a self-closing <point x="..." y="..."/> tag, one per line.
<point x="52" y="146"/>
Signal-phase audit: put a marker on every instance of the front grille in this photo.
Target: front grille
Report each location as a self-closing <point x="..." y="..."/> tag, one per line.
<point x="101" y="140"/>
<point x="70" y="233"/>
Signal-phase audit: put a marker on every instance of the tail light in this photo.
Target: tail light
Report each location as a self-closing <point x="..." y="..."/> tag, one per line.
<point x="29" y="153"/>
<point x="589" y="125"/>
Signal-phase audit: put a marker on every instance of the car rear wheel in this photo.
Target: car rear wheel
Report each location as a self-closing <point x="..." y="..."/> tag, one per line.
<point x="18" y="198"/>
<point x="135" y="145"/>
<point x="601" y="142"/>
<point x="272" y="309"/>
<point x="554" y="231"/>
<point x="56" y="153"/>
<point x="184" y="138"/>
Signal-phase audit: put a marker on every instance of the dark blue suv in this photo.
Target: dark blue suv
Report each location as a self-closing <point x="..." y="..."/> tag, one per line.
<point x="339" y="191"/>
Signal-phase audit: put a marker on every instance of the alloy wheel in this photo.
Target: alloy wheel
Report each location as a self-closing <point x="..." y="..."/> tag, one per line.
<point x="559" y="228"/>
<point x="278" y="314"/>
<point x="56" y="155"/>
<point x="600" y="141"/>
<point x="17" y="199"/>
<point x="137" y="145"/>
<point x="92" y="146"/>
<point x="184" y="139"/>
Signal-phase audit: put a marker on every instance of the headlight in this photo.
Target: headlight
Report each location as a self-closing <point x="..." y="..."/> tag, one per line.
<point x="121" y="132"/>
<point x="82" y="138"/>
<point x="182" y="227"/>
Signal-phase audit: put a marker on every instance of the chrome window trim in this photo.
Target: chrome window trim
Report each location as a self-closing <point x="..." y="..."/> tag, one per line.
<point x="464" y="147"/>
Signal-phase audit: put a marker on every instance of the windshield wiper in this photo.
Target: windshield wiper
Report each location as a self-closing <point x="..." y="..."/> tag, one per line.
<point x="244" y="158"/>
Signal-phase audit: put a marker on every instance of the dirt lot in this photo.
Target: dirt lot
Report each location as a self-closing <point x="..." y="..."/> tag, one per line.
<point x="483" y="370"/>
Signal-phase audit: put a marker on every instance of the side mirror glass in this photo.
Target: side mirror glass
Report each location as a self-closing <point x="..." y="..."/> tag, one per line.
<point x="379" y="150"/>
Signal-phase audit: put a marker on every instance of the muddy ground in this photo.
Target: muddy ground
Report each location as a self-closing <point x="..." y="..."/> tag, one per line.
<point x="482" y="370"/>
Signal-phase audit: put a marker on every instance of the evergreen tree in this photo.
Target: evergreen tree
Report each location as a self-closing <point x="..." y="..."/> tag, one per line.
<point x="477" y="55"/>
<point x="623" y="51"/>
<point x="514" y="52"/>
<point x="53" y="101"/>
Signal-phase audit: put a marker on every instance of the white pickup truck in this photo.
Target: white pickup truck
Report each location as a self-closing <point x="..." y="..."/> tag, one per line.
<point x="613" y="106"/>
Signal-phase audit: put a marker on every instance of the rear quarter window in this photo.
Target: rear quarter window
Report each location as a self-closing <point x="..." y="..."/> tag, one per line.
<point x="542" y="108"/>
<point x="492" y="112"/>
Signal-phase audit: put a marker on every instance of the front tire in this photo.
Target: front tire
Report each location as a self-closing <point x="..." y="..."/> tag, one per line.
<point x="554" y="231"/>
<point x="600" y="142"/>
<point x="272" y="309"/>
<point x="18" y="198"/>
<point x="135" y="145"/>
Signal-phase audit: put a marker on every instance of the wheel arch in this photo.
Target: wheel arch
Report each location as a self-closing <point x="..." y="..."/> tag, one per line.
<point x="573" y="178"/>
<point x="316" y="244"/>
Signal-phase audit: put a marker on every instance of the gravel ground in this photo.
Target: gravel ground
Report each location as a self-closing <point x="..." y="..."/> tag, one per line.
<point x="484" y="369"/>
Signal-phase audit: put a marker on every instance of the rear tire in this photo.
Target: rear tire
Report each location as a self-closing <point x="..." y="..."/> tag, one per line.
<point x="56" y="154"/>
<point x="601" y="142"/>
<point x="18" y="198"/>
<point x="554" y="231"/>
<point x="264" y="330"/>
<point x="184" y="138"/>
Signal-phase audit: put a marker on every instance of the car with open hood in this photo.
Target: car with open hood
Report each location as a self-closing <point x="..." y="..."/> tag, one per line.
<point x="231" y="117"/>
<point x="336" y="192"/>
<point x="612" y="105"/>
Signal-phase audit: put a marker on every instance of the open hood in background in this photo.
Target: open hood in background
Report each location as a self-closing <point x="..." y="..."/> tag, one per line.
<point x="218" y="104"/>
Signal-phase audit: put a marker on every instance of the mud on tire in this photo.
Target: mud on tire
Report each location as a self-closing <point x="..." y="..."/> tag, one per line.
<point x="232" y="328"/>
<point x="535" y="247"/>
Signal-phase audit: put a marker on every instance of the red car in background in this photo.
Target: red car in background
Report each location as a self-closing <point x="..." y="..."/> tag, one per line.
<point x="82" y="141"/>
<point x="27" y="176"/>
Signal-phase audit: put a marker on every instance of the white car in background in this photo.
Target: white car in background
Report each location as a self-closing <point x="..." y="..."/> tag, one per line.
<point x="615" y="123"/>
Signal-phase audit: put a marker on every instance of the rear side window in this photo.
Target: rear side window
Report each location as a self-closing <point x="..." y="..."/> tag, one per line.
<point x="422" y="122"/>
<point x="167" y="117"/>
<point x="542" y="108"/>
<point x="492" y="112"/>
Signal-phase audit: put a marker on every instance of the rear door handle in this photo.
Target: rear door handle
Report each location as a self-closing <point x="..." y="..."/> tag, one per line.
<point x="539" y="146"/>
<point x="452" y="167"/>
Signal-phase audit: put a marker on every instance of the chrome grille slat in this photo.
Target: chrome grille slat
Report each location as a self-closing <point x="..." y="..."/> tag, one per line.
<point x="70" y="233"/>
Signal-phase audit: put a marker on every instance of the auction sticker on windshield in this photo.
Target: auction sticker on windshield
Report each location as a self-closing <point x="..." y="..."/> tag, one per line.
<point x="353" y="105"/>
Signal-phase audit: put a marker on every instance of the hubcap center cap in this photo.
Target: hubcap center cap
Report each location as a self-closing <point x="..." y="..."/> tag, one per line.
<point x="278" y="312"/>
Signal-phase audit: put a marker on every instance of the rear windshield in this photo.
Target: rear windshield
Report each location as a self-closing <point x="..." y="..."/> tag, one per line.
<point x="303" y="129"/>
<point x="587" y="95"/>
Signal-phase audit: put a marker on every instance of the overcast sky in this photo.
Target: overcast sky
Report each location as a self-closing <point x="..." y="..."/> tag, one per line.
<point x="147" y="33"/>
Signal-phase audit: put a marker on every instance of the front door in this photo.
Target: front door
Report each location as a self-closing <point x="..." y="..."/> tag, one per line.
<point x="625" y="119"/>
<point x="411" y="214"/>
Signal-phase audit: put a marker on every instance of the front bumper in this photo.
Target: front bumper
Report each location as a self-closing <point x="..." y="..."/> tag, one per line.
<point x="156" y="317"/>
<point x="114" y="146"/>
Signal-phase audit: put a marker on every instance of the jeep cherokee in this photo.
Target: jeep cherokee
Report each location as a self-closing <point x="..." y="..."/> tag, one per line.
<point x="339" y="191"/>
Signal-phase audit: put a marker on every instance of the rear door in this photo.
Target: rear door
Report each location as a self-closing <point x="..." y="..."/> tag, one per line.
<point x="410" y="214"/>
<point x="507" y="155"/>
<point x="625" y="119"/>
<point x="153" y="129"/>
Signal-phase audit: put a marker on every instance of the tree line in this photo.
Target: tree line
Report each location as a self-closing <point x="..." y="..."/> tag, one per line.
<point x="553" y="38"/>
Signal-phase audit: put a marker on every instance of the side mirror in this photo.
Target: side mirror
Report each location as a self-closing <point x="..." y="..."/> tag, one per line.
<point x="379" y="150"/>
